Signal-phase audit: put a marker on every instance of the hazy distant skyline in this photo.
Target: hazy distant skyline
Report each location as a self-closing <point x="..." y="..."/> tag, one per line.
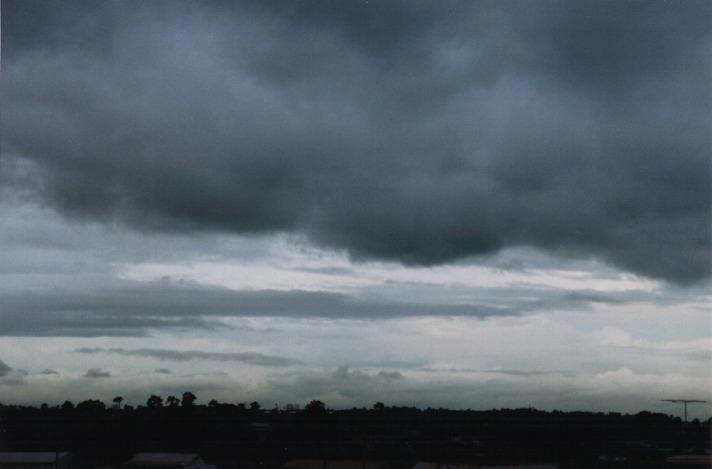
<point x="457" y="204"/>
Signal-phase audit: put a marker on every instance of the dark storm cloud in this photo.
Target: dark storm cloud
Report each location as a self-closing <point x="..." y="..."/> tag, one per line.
<point x="416" y="131"/>
<point x="97" y="373"/>
<point x="50" y="372"/>
<point x="163" y="371"/>
<point x="187" y="355"/>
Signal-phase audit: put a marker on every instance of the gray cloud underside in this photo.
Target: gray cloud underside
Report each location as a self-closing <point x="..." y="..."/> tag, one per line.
<point x="187" y="355"/>
<point x="4" y="369"/>
<point x="136" y="312"/>
<point x="135" y="309"/>
<point x="528" y="373"/>
<point x="345" y="373"/>
<point x="97" y="373"/>
<point x="344" y="381"/>
<point x="419" y="132"/>
<point x="89" y="324"/>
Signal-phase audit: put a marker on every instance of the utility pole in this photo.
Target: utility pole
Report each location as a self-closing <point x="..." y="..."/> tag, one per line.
<point x="684" y="401"/>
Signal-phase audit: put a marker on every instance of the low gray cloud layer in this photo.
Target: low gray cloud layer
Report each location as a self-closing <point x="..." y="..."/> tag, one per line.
<point x="127" y="308"/>
<point x="418" y="132"/>
<point x="187" y="355"/>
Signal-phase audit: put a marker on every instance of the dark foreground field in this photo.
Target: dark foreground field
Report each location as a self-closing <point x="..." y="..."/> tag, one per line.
<point x="246" y="436"/>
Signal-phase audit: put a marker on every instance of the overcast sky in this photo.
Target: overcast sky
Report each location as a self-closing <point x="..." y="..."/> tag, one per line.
<point x="447" y="204"/>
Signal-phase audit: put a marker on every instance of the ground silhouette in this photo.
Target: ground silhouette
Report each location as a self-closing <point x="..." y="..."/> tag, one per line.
<point x="248" y="436"/>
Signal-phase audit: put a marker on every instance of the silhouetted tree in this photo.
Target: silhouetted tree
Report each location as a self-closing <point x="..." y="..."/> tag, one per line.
<point x="255" y="406"/>
<point x="90" y="406"/>
<point x="315" y="407"/>
<point x="117" y="401"/>
<point x="188" y="399"/>
<point x="172" y="401"/>
<point x="154" y="402"/>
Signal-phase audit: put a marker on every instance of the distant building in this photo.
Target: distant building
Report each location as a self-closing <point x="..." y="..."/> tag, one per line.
<point x="167" y="461"/>
<point x="334" y="464"/>
<point x="36" y="460"/>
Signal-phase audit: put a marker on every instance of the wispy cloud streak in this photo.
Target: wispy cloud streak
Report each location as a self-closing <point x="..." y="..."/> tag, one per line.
<point x="188" y="355"/>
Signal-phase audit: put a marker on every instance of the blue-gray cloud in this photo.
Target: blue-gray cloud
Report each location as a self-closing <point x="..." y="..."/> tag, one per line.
<point x="420" y="132"/>
<point x="138" y="309"/>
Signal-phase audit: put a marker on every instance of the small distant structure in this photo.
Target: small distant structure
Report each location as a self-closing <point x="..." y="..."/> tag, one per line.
<point x="261" y="429"/>
<point x="684" y="401"/>
<point x="36" y="460"/>
<point x="167" y="461"/>
<point x="525" y="466"/>
<point x="430" y="465"/>
<point x="700" y="460"/>
<point x="334" y="464"/>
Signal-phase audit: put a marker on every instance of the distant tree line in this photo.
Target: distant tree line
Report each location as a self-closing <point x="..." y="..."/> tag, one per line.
<point x="247" y="435"/>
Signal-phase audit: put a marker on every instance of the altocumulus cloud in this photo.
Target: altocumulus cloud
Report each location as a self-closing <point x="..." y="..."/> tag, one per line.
<point x="416" y="132"/>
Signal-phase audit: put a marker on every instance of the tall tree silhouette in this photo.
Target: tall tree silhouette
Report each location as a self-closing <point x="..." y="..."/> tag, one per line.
<point x="315" y="407"/>
<point x="172" y="401"/>
<point x="188" y="399"/>
<point x="154" y="402"/>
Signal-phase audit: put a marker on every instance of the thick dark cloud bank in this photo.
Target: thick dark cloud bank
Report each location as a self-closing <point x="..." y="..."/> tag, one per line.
<point x="421" y="132"/>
